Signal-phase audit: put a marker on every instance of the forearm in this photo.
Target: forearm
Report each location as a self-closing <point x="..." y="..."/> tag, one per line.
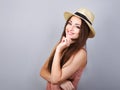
<point x="56" y="70"/>
<point x="45" y="73"/>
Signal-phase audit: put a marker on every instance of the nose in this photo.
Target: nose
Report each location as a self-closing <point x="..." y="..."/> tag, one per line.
<point x="71" y="28"/>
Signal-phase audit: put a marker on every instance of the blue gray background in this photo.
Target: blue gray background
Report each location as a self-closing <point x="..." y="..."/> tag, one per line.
<point x="29" y="29"/>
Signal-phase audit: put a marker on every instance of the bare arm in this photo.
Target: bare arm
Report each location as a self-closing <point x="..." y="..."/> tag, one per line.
<point x="66" y="85"/>
<point x="45" y="73"/>
<point x="59" y="75"/>
<point x="44" y="70"/>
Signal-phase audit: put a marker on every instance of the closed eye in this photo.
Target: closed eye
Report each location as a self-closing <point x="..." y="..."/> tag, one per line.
<point x="78" y="27"/>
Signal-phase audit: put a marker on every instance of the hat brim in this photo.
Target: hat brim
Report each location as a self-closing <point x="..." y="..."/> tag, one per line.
<point x="67" y="15"/>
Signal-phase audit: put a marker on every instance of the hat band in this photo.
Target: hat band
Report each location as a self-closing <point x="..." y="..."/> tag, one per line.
<point x="83" y="16"/>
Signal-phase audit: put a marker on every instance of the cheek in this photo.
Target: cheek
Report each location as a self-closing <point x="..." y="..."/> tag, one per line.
<point x="77" y="33"/>
<point x="67" y="27"/>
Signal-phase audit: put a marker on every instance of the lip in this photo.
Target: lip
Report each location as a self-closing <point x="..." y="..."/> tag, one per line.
<point x="70" y="33"/>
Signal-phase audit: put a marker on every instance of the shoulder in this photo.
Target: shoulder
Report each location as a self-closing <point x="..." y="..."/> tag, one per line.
<point x="81" y="53"/>
<point x="81" y="57"/>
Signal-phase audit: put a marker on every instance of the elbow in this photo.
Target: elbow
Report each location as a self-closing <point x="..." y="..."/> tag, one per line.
<point x="41" y="73"/>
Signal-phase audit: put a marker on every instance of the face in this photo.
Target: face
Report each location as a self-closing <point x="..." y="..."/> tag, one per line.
<point x="73" y="27"/>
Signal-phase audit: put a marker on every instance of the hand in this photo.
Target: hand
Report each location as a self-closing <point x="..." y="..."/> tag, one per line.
<point x="65" y="42"/>
<point x="67" y="85"/>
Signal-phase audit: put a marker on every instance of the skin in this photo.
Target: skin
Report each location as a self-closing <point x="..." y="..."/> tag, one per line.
<point x="58" y="75"/>
<point x="73" y="28"/>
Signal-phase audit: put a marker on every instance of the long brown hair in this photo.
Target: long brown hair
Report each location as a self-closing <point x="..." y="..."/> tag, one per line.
<point x="73" y="48"/>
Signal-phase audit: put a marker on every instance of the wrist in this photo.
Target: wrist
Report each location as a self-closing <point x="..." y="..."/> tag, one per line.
<point x="58" y="51"/>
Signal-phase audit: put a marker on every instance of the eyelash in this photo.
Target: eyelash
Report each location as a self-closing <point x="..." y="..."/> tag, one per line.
<point x="71" y="24"/>
<point x="78" y="27"/>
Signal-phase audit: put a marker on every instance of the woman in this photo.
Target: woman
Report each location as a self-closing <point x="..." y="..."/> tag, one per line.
<point x="66" y="63"/>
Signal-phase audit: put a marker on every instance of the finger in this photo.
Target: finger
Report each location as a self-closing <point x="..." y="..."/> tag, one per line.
<point x="71" y="87"/>
<point x="67" y="86"/>
<point x="63" y="39"/>
<point x="69" y="40"/>
<point x="64" y="86"/>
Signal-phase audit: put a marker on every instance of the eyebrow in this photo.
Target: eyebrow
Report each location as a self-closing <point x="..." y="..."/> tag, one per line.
<point x="71" y="22"/>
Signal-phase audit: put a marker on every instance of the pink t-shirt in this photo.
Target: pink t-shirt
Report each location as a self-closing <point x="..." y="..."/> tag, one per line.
<point x="75" y="79"/>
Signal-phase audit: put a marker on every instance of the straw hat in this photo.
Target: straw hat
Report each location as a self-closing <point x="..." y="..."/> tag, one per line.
<point x="86" y="15"/>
